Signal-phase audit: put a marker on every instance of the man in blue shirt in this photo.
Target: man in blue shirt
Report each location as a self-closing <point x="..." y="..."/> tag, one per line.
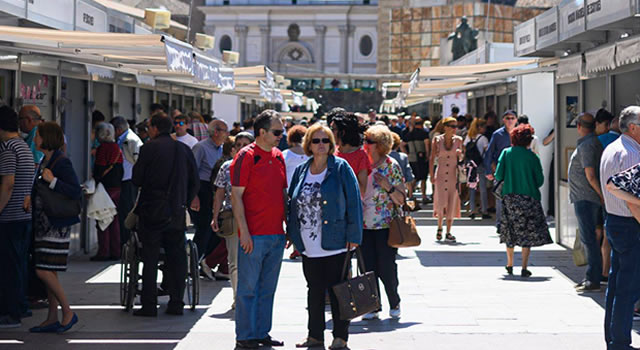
<point x="500" y="140"/>
<point x="207" y="152"/>
<point x="613" y="133"/>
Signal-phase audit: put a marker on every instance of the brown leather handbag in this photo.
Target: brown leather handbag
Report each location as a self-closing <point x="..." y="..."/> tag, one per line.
<point x="402" y="230"/>
<point x="358" y="295"/>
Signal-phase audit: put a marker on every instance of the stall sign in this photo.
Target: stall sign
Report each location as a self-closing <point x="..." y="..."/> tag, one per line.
<point x="600" y="13"/>
<point x="13" y="7"/>
<point x="90" y="18"/>
<point x="525" y="37"/>
<point x="53" y="13"/>
<point x="572" y="21"/>
<point x="547" y="28"/>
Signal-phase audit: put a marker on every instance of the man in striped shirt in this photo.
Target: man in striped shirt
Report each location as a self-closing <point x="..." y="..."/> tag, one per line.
<point x="16" y="179"/>
<point x="623" y="232"/>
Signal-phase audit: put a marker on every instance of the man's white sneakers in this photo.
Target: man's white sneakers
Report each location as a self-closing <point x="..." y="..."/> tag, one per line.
<point x="395" y="313"/>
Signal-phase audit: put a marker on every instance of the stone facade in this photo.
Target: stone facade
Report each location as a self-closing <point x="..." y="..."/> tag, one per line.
<point x="298" y="39"/>
<point x="412" y="37"/>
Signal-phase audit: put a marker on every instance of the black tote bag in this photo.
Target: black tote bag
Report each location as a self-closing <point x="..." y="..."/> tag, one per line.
<point x="358" y="295"/>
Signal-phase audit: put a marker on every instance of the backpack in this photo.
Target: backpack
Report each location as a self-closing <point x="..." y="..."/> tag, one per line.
<point x="471" y="151"/>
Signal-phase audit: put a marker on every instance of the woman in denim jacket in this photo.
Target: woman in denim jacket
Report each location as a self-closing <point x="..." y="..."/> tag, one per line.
<point x="325" y="220"/>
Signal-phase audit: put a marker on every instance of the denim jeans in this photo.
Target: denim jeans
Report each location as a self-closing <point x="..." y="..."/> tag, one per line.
<point x="14" y="245"/>
<point x="482" y="187"/>
<point x="258" y="274"/>
<point x="623" y="289"/>
<point x="588" y="214"/>
<point x="380" y="258"/>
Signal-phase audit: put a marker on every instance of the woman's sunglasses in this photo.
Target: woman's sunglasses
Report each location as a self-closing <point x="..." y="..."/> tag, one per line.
<point x="317" y="141"/>
<point x="451" y="125"/>
<point x="370" y="142"/>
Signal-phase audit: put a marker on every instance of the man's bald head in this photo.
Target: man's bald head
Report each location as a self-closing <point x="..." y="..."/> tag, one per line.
<point x="586" y="124"/>
<point x="29" y="117"/>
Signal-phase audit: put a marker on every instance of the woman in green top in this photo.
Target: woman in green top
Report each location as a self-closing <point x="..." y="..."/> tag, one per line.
<point x="523" y="222"/>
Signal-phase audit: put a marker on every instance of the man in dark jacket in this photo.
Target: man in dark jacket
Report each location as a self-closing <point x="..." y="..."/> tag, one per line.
<point x="167" y="175"/>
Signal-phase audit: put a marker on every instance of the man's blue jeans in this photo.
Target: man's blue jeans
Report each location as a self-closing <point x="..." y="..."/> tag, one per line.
<point x="587" y="213"/>
<point x="258" y="274"/>
<point x="623" y="289"/>
<point x="14" y="245"/>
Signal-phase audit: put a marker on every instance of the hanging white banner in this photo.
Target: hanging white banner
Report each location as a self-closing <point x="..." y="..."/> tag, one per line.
<point x="458" y="100"/>
<point x="146" y="80"/>
<point x="206" y="69"/>
<point x="270" y="81"/>
<point x="99" y="71"/>
<point x="227" y="81"/>
<point x="265" y="91"/>
<point x="179" y="55"/>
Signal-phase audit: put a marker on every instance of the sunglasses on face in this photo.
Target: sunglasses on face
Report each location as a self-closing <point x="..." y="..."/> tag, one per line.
<point x="221" y="130"/>
<point x="181" y="123"/>
<point x="240" y="145"/>
<point x="510" y="118"/>
<point x="370" y="142"/>
<point x="450" y="126"/>
<point x="276" y="133"/>
<point x="323" y="140"/>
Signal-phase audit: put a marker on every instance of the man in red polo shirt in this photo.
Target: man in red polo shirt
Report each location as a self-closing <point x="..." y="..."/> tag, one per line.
<point x="259" y="183"/>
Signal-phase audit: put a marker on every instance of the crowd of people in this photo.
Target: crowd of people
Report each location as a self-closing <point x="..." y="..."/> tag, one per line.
<point x="250" y="189"/>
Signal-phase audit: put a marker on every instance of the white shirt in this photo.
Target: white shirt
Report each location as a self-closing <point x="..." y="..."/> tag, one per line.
<point x="310" y="217"/>
<point x="291" y="161"/>
<point x="620" y="155"/>
<point x="534" y="145"/>
<point x="187" y="140"/>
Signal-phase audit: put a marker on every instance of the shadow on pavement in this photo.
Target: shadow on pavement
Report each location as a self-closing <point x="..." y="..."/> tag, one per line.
<point x="375" y="326"/>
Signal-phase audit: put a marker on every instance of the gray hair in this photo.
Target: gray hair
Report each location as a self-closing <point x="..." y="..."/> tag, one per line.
<point x="105" y="132"/>
<point x="628" y="116"/>
<point x="120" y="123"/>
<point x="245" y="135"/>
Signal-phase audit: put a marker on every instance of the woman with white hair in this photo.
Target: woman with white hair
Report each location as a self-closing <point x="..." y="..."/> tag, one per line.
<point x="108" y="171"/>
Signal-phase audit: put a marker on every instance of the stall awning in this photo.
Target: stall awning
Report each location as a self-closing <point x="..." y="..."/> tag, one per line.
<point x="600" y="59"/>
<point x="471" y="69"/>
<point x="628" y="51"/>
<point x="148" y="56"/>
<point x="570" y="66"/>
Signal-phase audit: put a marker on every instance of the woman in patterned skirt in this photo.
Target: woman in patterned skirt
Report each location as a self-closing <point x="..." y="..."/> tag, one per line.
<point x="523" y="222"/>
<point x="52" y="234"/>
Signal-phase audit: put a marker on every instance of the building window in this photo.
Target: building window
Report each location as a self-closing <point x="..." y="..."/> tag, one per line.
<point x="225" y="43"/>
<point x="366" y="45"/>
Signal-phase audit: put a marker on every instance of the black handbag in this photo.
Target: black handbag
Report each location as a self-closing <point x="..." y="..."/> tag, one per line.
<point x="56" y="204"/>
<point x="358" y="295"/>
<point x="497" y="189"/>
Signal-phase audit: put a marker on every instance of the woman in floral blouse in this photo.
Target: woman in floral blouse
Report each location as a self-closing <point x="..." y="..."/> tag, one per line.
<point x="384" y="193"/>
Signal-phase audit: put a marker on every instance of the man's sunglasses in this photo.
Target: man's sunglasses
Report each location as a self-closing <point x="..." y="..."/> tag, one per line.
<point x="181" y="123"/>
<point x="276" y="133"/>
<point x="323" y="140"/>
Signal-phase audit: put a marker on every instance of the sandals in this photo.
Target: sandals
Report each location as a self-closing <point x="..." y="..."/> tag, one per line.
<point x="439" y="234"/>
<point x="450" y="238"/>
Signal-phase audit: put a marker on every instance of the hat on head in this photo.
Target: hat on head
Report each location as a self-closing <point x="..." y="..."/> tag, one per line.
<point x="509" y="111"/>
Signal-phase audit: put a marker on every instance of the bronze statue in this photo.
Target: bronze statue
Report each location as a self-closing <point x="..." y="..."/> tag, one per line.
<point x="464" y="39"/>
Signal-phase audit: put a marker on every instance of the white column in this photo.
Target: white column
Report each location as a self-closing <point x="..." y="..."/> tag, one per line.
<point x="321" y="30"/>
<point x="241" y="32"/>
<point x="265" y="30"/>
<point x="345" y="32"/>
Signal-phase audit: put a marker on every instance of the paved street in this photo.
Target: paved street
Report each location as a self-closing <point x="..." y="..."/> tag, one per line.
<point x="453" y="297"/>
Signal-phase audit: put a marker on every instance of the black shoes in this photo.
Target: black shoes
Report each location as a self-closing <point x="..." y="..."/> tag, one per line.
<point x="509" y="270"/>
<point x="525" y="273"/>
<point x="486" y="217"/>
<point x="247" y="344"/>
<point x="146" y="312"/>
<point x="268" y="341"/>
<point x="175" y="310"/>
